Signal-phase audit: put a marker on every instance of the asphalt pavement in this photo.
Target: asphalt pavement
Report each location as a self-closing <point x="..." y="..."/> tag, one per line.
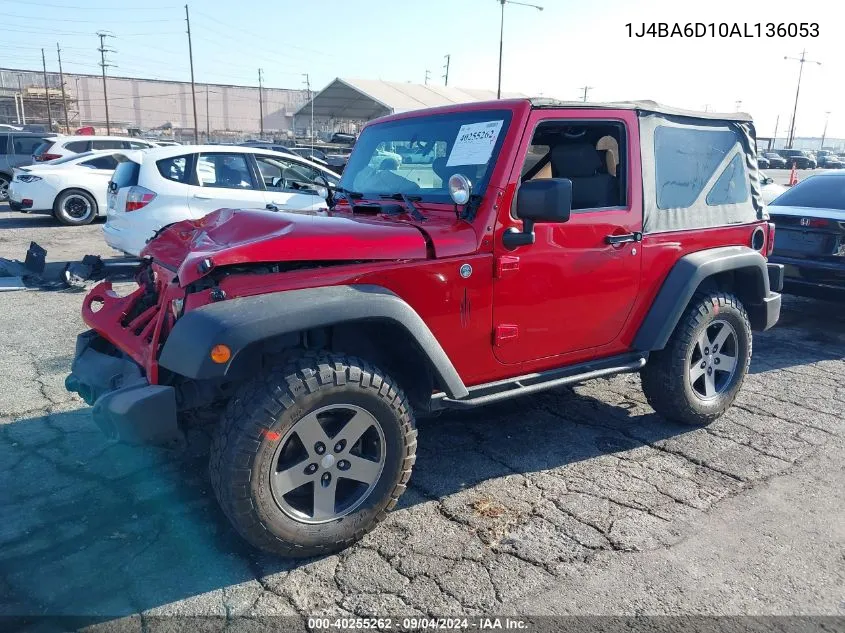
<point x="576" y="501"/>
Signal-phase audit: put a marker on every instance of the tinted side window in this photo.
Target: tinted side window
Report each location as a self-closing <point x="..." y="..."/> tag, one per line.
<point x="77" y="146"/>
<point x="228" y="171"/>
<point x="126" y="174"/>
<point x="685" y="161"/>
<point x="4" y="141"/>
<point x="106" y="144"/>
<point x="25" y="145"/>
<point x="174" y="168"/>
<point x="101" y="162"/>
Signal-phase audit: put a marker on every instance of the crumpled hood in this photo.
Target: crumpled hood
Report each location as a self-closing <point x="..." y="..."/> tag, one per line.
<point x="236" y="236"/>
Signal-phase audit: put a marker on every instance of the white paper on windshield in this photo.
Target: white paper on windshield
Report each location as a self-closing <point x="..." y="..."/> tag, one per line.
<point x="474" y="143"/>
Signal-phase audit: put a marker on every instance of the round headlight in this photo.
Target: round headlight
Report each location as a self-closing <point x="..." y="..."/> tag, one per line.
<point x="460" y="188"/>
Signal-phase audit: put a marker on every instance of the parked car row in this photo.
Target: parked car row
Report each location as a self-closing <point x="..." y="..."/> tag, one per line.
<point x="802" y="159"/>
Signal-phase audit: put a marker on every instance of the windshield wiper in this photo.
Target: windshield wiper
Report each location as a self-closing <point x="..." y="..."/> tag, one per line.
<point x="409" y="202"/>
<point x="351" y="195"/>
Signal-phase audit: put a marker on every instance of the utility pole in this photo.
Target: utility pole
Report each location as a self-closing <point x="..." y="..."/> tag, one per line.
<point x="446" y="76"/>
<point x="502" y="36"/>
<point x="738" y="105"/>
<point x="824" y="133"/>
<point x="311" y="99"/>
<point x="20" y="90"/>
<point x="103" y="50"/>
<point x="62" y="79"/>
<point x="207" y="117"/>
<point x="427" y="75"/>
<point x="261" y="102"/>
<point x="193" y="85"/>
<point x="775" y="137"/>
<point x="802" y="60"/>
<point x="706" y="107"/>
<point x="586" y="89"/>
<point x="47" y="93"/>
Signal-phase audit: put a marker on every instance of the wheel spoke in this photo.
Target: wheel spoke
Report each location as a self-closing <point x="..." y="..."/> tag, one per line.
<point x="361" y="469"/>
<point x="324" y="499"/>
<point x="709" y="385"/>
<point x="726" y="363"/>
<point x="703" y="342"/>
<point x="310" y="432"/>
<point x="695" y="373"/>
<point x="354" y="429"/>
<point x="723" y="335"/>
<point x="292" y="478"/>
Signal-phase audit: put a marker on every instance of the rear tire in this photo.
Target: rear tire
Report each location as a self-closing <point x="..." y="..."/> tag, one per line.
<point x="272" y="472"/>
<point x="75" y="207"/>
<point x="699" y="373"/>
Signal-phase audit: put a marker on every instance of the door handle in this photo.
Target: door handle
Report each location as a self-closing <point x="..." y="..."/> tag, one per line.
<point x="624" y="238"/>
<point x="200" y="196"/>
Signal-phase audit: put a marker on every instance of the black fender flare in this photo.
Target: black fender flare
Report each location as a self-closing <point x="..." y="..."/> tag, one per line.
<point x="240" y="322"/>
<point x="687" y="275"/>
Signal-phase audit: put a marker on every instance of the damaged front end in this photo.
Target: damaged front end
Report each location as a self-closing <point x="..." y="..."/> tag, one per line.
<point x="115" y="368"/>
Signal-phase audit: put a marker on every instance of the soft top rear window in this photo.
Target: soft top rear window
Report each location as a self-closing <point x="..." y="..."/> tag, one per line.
<point x="126" y="174"/>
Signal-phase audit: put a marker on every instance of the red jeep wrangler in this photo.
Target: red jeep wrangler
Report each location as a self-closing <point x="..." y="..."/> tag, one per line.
<point x="471" y="253"/>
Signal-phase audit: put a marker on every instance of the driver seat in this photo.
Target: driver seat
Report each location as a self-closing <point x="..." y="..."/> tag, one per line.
<point x="581" y="163"/>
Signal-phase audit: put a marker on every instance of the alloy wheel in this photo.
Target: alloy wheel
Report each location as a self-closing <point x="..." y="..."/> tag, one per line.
<point x="76" y="207"/>
<point x="713" y="360"/>
<point x="328" y="463"/>
<point x="4" y="189"/>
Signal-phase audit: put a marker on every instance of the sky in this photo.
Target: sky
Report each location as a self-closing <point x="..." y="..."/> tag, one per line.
<point x="553" y="52"/>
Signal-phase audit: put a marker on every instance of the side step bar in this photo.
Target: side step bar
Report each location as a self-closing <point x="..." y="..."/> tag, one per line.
<point x="532" y="383"/>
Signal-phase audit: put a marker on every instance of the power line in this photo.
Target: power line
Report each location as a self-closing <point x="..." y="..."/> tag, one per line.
<point x="112" y="9"/>
<point x="30" y="18"/>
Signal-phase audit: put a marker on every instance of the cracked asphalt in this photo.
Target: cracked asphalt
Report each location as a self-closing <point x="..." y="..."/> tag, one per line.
<point x="577" y="501"/>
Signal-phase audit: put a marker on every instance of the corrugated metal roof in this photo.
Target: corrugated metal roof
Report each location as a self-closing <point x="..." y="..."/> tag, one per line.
<point x="365" y="99"/>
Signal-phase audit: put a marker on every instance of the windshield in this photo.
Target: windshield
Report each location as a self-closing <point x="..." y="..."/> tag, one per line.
<point x="418" y="155"/>
<point x="820" y="192"/>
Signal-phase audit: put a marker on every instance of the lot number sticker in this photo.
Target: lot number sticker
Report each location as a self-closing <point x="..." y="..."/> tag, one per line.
<point x="474" y="143"/>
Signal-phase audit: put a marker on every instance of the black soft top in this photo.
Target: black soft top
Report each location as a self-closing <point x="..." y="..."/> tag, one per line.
<point x="641" y="106"/>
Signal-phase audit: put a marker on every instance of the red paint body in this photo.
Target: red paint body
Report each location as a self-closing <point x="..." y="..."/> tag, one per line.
<point x="567" y="298"/>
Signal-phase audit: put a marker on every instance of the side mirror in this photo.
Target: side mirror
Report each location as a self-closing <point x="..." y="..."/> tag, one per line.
<point x="546" y="200"/>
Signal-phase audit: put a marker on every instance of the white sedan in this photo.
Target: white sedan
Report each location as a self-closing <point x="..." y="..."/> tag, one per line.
<point x="73" y="189"/>
<point x="156" y="187"/>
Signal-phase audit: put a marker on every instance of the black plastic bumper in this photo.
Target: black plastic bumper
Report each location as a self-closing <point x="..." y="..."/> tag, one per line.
<point x="126" y="406"/>
<point x="765" y="314"/>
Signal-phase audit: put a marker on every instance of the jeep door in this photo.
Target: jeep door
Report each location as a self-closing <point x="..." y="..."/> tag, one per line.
<point x="572" y="290"/>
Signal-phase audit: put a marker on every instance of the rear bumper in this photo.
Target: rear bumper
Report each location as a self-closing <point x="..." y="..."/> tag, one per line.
<point x="819" y="279"/>
<point x="765" y="314"/>
<point x="126" y="406"/>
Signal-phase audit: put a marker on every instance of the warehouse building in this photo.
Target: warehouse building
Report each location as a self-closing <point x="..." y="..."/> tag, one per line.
<point x="146" y="105"/>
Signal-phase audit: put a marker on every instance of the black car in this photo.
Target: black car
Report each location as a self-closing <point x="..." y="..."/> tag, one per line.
<point x="828" y="160"/>
<point x="776" y="161"/>
<point x="763" y="162"/>
<point x="800" y="158"/>
<point x="810" y="236"/>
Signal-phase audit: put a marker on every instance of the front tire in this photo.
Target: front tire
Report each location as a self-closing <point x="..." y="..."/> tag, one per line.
<point x="699" y="373"/>
<point x="75" y="207"/>
<point x="310" y="455"/>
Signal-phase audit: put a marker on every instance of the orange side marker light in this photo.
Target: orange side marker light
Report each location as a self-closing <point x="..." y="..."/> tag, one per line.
<point x="220" y="354"/>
